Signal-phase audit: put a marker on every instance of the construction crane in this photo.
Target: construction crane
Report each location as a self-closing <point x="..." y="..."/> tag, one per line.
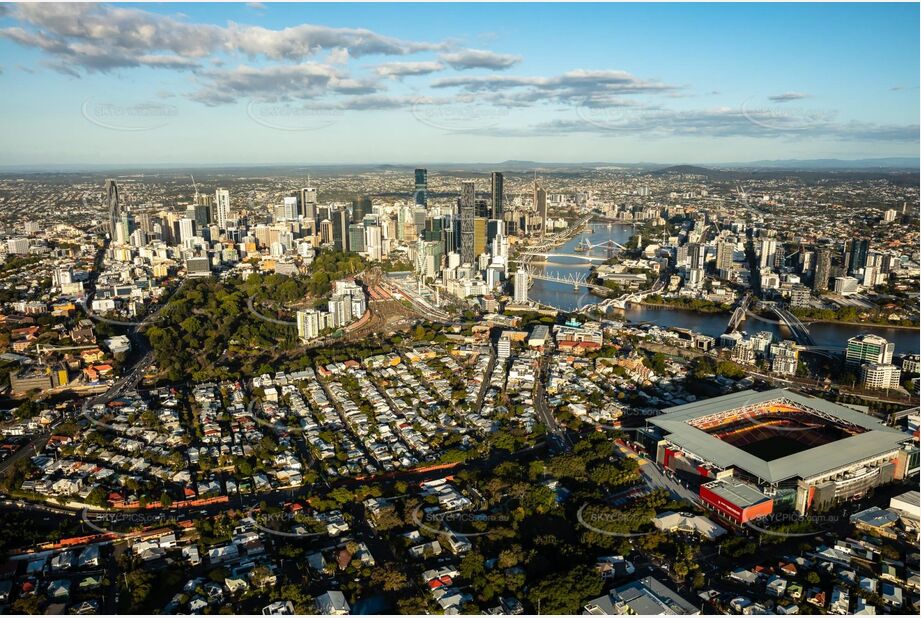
<point x="195" y="186"/>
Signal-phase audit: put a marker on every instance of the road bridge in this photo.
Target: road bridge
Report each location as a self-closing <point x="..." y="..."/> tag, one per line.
<point x="738" y="316"/>
<point x="799" y="330"/>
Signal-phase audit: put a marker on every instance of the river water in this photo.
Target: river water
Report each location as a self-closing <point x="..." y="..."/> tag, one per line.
<point x="564" y="297"/>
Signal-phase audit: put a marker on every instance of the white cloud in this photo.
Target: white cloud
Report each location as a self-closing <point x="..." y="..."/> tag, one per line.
<point x="591" y="88"/>
<point x="479" y="59"/>
<point x="402" y="69"/>
<point x="102" y="37"/>
<point x="301" y="81"/>
<point x="786" y="97"/>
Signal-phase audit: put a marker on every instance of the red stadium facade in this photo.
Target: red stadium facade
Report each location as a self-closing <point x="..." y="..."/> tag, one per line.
<point x="734" y="504"/>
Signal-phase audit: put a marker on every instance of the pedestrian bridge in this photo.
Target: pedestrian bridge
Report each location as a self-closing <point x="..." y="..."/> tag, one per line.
<point x="581" y="258"/>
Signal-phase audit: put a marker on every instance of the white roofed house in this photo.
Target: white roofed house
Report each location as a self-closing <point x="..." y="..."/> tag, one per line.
<point x="332" y="603"/>
<point x="223" y="553"/>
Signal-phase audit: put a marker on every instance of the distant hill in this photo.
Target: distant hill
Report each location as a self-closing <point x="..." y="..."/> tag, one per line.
<point x="685" y="169"/>
<point x="712" y="170"/>
<point x="900" y="163"/>
<point x="896" y="176"/>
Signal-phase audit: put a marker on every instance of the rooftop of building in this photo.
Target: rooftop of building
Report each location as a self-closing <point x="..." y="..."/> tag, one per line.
<point x="740" y="494"/>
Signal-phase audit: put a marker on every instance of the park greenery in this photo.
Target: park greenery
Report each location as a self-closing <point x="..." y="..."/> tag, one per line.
<point x="848" y="314"/>
<point x="690" y="304"/>
<point x="208" y="333"/>
<point x="707" y="367"/>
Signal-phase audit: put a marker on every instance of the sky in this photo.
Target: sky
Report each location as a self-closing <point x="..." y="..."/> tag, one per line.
<point x="214" y="83"/>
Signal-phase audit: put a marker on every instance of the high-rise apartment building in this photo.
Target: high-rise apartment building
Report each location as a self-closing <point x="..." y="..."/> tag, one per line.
<point x="309" y="324"/>
<point x="340" y="231"/>
<point x="186" y="230"/>
<point x="222" y="207"/>
<point x="875" y="375"/>
<point x="18" y="246"/>
<point x="361" y="208"/>
<point x="521" y="282"/>
<point x="290" y="208"/>
<point x="857" y="251"/>
<point x="308" y="203"/>
<point x="767" y="253"/>
<point x="113" y="206"/>
<point x="467" y="215"/>
<point x="696" y="255"/>
<point x="540" y="203"/>
<point x="421" y="190"/>
<point x="822" y="269"/>
<point x="496" y="190"/>
<point x="724" y="258"/>
<point x="869" y="349"/>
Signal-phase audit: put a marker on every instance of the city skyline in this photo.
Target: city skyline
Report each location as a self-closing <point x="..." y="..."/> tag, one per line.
<point x="222" y="84"/>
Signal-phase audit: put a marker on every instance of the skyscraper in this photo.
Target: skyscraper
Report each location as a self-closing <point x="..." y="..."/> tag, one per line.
<point x="467" y="215"/>
<point x="124" y="227"/>
<point x="421" y="190"/>
<point x="200" y="212"/>
<point x="186" y="230"/>
<point x="309" y="203"/>
<point x="340" y="231"/>
<point x="822" y="269"/>
<point x="308" y="324"/>
<point x="696" y="255"/>
<point x="360" y="208"/>
<point x="373" y="242"/>
<point x="540" y="203"/>
<point x="724" y="258"/>
<point x="222" y="207"/>
<point x="357" y="237"/>
<point x="521" y="286"/>
<point x="113" y="206"/>
<point x="291" y="208"/>
<point x="768" y="252"/>
<point x="479" y="235"/>
<point x="497" y="192"/>
<point x="858" y="251"/>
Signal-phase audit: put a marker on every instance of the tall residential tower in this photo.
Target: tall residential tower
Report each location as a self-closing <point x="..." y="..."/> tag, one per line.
<point x="467" y="209"/>
<point x="421" y="191"/>
<point x="497" y="193"/>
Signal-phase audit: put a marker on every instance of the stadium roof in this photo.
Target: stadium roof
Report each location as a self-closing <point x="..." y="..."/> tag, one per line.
<point x="877" y="438"/>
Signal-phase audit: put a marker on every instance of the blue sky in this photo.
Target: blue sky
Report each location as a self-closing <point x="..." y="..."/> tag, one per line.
<point x="423" y="83"/>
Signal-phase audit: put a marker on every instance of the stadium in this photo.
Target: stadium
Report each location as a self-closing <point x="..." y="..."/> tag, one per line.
<point x="775" y="429"/>
<point x="801" y="453"/>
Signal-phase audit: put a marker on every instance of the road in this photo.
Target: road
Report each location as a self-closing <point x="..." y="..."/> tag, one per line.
<point x="36" y="444"/>
<point x="127" y="382"/>
<point x="656" y="478"/>
<point x="486" y="379"/>
<point x="544" y="413"/>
